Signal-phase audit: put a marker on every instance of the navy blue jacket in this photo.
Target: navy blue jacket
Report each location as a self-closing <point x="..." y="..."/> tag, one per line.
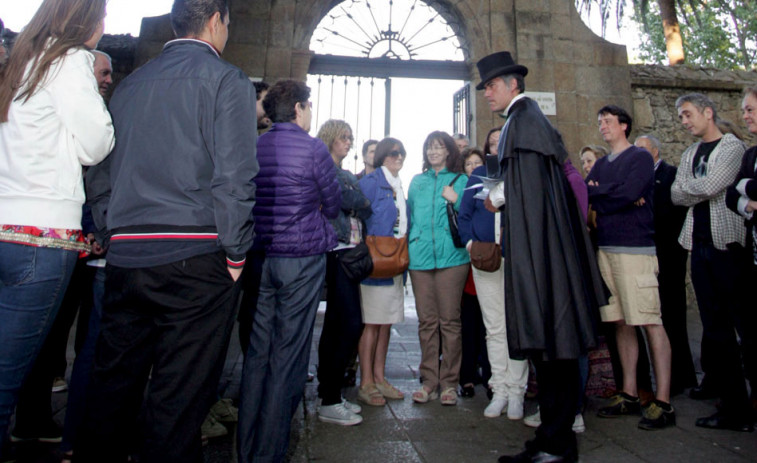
<point x="620" y="222"/>
<point x="179" y="182"/>
<point x="474" y="221"/>
<point x="376" y="188"/>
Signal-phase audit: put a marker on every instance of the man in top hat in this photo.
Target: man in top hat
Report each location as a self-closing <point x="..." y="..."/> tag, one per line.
<point x="552" y="285"/>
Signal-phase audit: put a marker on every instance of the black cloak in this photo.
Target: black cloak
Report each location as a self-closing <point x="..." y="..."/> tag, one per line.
<point x="553" y="288"/>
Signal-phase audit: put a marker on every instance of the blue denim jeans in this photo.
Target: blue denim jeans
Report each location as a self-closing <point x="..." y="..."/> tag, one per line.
<point x="32" y="284"/>
<point x="276" y="364"/>
<point x="77" y="390"/>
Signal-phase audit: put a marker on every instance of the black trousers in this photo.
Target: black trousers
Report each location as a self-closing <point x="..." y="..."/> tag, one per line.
<point x="253" y="270"/>
<point x="474" y="342"/>
<point x="719" y="283"/>
<point x="342" y="328"/>
<point x="170" y="323"/>
<point x="558" y="402"/>
<point x="672" y="281"/>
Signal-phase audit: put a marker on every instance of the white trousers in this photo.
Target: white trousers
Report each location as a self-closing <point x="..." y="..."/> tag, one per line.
<point x="509" y="377"/>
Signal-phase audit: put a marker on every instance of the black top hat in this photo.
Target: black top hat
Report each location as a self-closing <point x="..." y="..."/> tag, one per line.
<point x="498" y="64"/>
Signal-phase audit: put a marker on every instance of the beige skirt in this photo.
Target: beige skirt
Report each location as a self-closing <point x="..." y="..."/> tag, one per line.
<point x="383" y="305"/>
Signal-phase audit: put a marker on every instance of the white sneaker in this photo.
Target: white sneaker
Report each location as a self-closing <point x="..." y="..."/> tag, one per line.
<point x="351" y="406"/>
<point x="515" y="408"/>
<point x="338" y="414"/>
<point x="578" y="424"/>
<point x="533" y="421"/>
<point x="495" y="407"/>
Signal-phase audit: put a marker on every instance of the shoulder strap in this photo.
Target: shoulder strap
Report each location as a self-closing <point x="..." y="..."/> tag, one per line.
<point x="454" y="179"/>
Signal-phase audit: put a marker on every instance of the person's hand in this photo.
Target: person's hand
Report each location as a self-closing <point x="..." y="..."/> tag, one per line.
<point x="751" y="206"/>
<point x="234" y="272"/>
<point x="640" y="202"/>
<point x="97" y="250"/>
<point x="592" y="183"/>
<point x="489" y="206"/>
<point x="449" y="194"/>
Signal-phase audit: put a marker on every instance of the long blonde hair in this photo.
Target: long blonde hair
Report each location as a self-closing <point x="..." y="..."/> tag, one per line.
<point x="69" y="23"/>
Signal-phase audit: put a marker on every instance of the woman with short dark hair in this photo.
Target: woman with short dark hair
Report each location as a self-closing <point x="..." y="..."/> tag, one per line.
<point x="297" y="194"/>
<point x="383" y="299"/>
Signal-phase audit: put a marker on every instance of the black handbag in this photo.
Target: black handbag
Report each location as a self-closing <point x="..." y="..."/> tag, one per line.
<point x="454" y="231"/>
<point x="357" y="263"/>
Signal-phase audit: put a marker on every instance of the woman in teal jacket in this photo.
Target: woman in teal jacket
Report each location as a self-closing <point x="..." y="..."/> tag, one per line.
<point x="437" y="268"/>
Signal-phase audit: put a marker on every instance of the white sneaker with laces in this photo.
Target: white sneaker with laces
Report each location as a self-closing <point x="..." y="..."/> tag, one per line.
<point x="351" y="406"/>
<point x="578" y="424"/>
<point x="338" y="414"/>
<point x="533" y="421"/>
<point x="515" y="407"/>
<point x="495" y="407"/>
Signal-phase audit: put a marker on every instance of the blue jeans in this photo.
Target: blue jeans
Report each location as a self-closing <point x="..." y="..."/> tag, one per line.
<point x="77" y="390"/>
<point x="32" y="284"/>
<point x="276" y="364"/>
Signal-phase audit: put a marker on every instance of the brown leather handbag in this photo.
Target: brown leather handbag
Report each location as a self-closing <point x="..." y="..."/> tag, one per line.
<point x="389" y="254"/>
<point x="488" y="256"/>
<point x="485" y="256"/>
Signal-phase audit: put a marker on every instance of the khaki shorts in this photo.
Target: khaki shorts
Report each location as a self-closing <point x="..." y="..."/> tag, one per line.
<point x="632" y="280"/>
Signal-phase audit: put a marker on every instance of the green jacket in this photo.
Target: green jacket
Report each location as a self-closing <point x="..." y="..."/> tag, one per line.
<point x="430" y="244"/>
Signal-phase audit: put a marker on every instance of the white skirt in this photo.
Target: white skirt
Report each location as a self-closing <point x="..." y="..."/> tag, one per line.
<point x="383" y="305"/>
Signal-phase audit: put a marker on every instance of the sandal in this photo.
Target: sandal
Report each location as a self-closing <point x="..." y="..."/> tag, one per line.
<point x="449" y="396"/>
<point x="389" y="391"/>
<point x="422" y="395"/>
<point x="370" y="395"/>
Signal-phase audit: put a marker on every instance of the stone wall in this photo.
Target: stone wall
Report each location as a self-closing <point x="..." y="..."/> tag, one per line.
<point x="654" y="90"/>
<point x="271" y="39"/>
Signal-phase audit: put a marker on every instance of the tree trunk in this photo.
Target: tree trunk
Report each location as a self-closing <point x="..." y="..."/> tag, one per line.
<point x="672" y="30"/>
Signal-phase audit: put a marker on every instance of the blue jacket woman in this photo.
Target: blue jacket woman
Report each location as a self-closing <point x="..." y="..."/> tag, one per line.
<point x="376" y="188"/>
<point x="382" y="300"/>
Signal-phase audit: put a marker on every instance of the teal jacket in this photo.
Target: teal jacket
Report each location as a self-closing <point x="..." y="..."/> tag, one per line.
<point x="430" y="244"/>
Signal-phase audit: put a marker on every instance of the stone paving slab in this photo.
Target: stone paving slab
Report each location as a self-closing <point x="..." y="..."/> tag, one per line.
<point x="406" y="432"/>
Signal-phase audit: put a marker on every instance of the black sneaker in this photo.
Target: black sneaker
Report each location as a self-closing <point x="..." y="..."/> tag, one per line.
<point x="657" y="415"/>
<point x="49" y="433"/>
<point x="620" y="404"/>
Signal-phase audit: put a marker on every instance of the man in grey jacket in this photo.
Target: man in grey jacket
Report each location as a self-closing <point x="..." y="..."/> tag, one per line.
<point x="715" y="237"/>
<point x="176" y="199"/>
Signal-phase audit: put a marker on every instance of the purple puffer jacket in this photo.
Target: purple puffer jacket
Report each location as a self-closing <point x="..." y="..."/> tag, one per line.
<point x="297" y="193"/>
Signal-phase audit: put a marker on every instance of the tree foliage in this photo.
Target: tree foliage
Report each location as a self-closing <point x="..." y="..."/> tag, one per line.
<point x="716" y="33"/>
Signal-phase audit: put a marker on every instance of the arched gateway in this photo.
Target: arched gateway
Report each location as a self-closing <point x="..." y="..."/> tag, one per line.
<point x="569" y="65"/>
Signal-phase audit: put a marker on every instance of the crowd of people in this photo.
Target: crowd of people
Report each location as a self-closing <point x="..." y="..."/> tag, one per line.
<point x="164" y="210"/>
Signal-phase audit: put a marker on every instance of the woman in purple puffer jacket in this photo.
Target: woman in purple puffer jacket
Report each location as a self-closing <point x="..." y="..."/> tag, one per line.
<point x="297" y="194"/>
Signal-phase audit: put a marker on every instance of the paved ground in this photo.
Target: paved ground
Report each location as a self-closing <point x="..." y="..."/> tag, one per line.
<point x="406" y="432"/>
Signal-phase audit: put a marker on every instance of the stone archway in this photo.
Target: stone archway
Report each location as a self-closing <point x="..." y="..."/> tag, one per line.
<point x="577" y="70"/>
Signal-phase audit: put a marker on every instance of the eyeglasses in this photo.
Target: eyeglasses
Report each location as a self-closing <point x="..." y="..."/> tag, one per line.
<point x="396" y="154"/>
<point x="348" y="138"/>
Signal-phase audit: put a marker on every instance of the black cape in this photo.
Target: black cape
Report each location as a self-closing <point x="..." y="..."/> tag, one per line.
<point x="553" y="288"/>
